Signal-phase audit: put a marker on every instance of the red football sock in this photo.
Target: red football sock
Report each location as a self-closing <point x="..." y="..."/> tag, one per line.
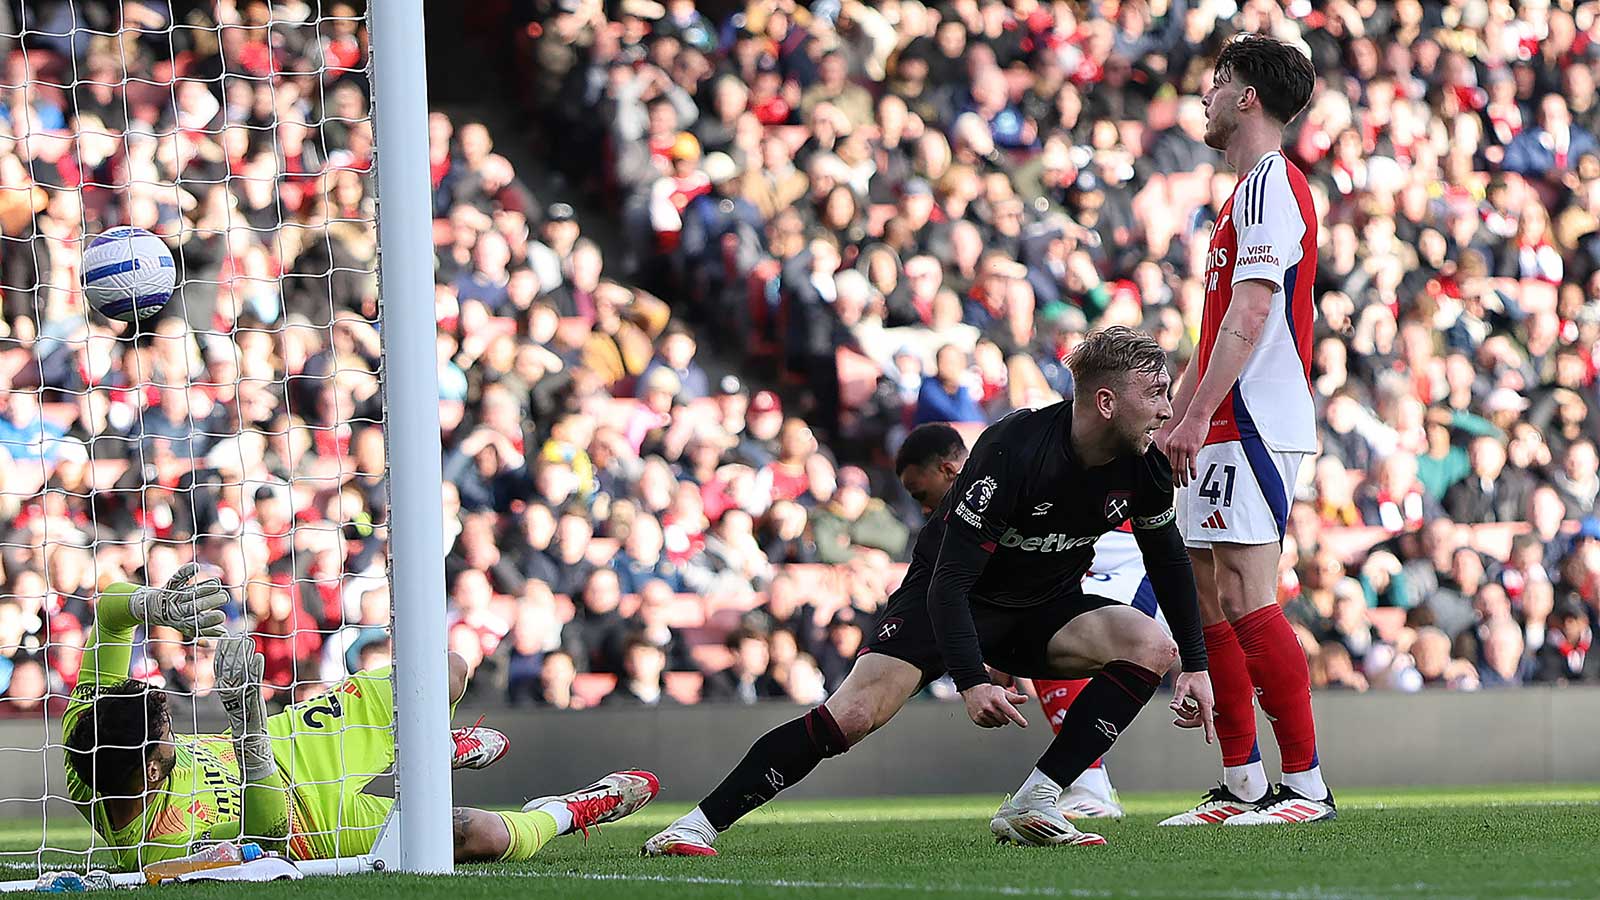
<point x="1278" y="669"/>
<point x="1055" y="696"/>
<point x="1230" y="681"/>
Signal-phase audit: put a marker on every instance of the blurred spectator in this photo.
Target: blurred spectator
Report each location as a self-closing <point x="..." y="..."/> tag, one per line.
<point x="1504" y="662"/>
<point x="746" y="680"/>
<point x="840" y="648"/>
<point x="1565" y="656"/>
<point x="1490" y="493"/>
<point x="1431" y="651"/>
<point x="650" y="626"/>
<point x="599" y="629"/>
<point x="640" y="683"/>
<point x="555" y="683"/>
<point x="853" y="519"/>
<point x="945" y="397"/>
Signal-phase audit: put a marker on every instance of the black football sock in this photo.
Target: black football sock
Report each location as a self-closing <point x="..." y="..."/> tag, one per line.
<point x="1093" y="721"/>
<point x="778" y="759"/>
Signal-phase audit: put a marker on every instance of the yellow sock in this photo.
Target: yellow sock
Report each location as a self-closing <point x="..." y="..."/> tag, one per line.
<point x="529" y="832"/>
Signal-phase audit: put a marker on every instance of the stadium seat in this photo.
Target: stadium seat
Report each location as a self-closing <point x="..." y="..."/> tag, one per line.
<point x="723" y="620"/>
<point x="818" y="582"/>
<point x="684" y="687"/>
<point x="1350" y="544"/>
<point x="591" y="687"/>
<point x="711" y="657"/>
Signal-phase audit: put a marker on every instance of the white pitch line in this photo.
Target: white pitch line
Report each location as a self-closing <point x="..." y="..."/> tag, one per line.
<point x="1312" y="893"/>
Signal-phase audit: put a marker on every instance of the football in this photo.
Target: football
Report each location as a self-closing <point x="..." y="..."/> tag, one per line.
<point x="128" y="274"/>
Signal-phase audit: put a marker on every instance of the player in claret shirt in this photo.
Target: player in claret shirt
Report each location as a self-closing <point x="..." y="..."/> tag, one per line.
<point x="996" y="580"/>
<point x="1245" y="421"/>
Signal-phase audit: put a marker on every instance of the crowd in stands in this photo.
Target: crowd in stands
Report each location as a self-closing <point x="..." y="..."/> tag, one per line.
<point x="873" y="216"/>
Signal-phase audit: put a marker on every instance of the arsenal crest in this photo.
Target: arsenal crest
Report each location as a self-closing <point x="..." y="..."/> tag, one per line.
<point x="1118" y="505"/>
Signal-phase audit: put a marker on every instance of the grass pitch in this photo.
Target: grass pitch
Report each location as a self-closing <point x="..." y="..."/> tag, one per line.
<point x="1409" y="843"/>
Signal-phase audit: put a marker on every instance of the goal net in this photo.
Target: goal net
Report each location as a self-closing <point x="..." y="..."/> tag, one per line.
<point x="244" y="429"/>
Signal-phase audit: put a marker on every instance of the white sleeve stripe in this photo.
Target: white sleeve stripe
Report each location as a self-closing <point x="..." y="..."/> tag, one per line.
<point x="1249" y="206"/>
<point x="1261" y="190"/>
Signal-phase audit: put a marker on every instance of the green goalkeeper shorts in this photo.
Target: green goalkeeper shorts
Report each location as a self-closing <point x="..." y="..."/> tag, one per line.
<point x="329" y="748"/>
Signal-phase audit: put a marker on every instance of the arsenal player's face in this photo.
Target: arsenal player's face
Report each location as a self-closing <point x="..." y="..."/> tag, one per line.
<point x="1222" y="109"/>
<point x="1143" y="406"/>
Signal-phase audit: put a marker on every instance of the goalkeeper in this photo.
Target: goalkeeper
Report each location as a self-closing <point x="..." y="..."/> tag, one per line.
<point x="291" y="782"/>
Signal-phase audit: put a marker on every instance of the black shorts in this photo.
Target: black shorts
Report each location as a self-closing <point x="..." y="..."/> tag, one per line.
<point x="1015" y="640"/>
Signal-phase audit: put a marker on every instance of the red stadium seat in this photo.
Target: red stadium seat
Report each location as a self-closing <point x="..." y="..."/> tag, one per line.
<point x="684" y="687"/>
<point x="591" y="687"/>
<point x="711" y="657"/>
<point x="1349" y="544"/>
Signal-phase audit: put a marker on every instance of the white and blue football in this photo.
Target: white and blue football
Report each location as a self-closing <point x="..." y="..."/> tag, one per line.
<point x="128" y="274"/>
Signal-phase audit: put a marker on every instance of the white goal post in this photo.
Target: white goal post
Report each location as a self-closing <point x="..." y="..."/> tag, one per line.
<point x="405" y="241"/>
<point x="65" y="50"/>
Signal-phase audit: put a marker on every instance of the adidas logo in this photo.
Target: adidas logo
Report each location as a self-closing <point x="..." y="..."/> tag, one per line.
<point x="1214" y="521"/>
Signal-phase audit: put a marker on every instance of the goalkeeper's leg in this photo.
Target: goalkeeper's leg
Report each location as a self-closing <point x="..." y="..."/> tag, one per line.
<point x="482" y="836"/>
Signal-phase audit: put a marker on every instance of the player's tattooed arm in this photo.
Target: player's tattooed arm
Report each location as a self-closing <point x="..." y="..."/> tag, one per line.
<point x="1240" y="334"/>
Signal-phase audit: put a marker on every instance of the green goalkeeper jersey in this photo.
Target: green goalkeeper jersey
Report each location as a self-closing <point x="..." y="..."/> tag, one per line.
<point x="201" y="799"/>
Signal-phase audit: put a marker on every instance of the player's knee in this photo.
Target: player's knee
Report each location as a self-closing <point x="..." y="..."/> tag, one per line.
<point x="1153" y="649"/>
<point x="478" y="835"/>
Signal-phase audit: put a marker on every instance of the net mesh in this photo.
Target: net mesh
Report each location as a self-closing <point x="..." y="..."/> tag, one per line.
<point x="242" y="429"/>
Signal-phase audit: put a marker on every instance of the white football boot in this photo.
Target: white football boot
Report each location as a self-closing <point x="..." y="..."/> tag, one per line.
<point x="1082" y="803"/>
<point x="1217" y="806"/>
<point x="1034" y="819"/>
<point x="478" y="747"/>
<point x="616" y="796"/>
<point x="1284" y="806"/>
<point x="681" y="838"/>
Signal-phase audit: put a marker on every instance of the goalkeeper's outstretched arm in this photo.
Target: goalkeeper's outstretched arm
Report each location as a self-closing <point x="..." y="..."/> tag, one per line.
<point x="194" y="609"/>
<point x="266" y="797"/>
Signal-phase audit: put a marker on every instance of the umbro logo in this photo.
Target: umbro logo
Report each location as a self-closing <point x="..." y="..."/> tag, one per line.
<point x="775" y="778"/>
<point x="1215" y="521"/>
<point x="1108" y="729"/>
<point x="1042" y="508"/>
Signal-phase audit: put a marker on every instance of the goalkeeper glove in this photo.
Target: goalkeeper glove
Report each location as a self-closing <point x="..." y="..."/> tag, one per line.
<point x="239" y="670"/>
<point x="195" y="610"/>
